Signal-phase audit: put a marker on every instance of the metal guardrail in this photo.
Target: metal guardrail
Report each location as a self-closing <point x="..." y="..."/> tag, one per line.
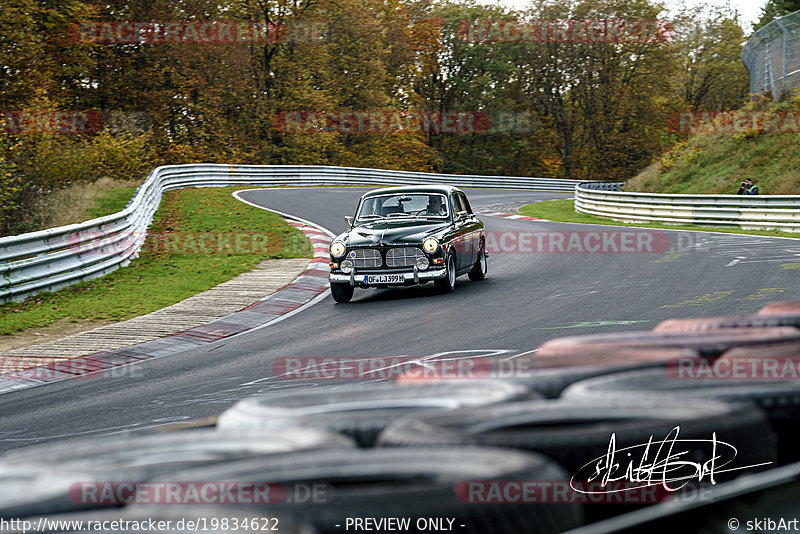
<point x="765" y="212"/>
<point x="50" y="259"/>
<point x="772" y="56"/>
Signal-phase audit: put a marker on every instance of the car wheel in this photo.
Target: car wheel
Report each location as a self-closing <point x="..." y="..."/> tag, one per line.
<point x="415" y="485"/>
<point x="478" y="271"/>
<point x="361" y="413"/>
<point x="342" y="292"/>
<point x="448" y="283"/>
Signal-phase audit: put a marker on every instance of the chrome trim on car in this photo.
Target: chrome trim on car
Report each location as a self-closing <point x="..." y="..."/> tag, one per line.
<point x="368" y="258"/>
<point x="403" y="256"/>
<point x="421" y="277"/>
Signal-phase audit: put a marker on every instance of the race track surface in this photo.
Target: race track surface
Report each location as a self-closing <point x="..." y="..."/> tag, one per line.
<point x="527" y="299"/>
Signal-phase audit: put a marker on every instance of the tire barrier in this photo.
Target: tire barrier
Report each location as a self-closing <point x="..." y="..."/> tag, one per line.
<point x="433" y="437"/>
<point x="417" y="484"/>
<point x="59" y="477"/>
<point x="720" y="509"/>
<point x="573" y="433"/>
<point x="361" y="412"/>
<point x="550" y="374"/>
<point x="712" y="343"/>
<point x="704" y="324"/>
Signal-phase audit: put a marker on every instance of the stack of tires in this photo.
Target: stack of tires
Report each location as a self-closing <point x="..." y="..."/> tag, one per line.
<point x="597" y="426"/>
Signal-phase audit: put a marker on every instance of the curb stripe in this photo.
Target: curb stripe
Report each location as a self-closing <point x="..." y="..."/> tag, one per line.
<point x="305" y="290"/>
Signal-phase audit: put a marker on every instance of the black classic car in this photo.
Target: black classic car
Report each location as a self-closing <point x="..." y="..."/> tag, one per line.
<point x="408" y="235"/>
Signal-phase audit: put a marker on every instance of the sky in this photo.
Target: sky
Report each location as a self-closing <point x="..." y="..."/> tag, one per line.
<point x="749" y="10"/>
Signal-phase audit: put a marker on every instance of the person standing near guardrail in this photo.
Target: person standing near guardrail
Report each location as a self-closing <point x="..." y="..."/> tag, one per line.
<point x="747" y="188"/>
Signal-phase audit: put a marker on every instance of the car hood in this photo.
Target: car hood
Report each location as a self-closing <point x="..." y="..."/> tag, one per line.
<point x="392" y="233"/>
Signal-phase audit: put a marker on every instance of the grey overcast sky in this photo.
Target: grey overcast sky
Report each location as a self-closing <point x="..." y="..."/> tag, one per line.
<point x="749" y="10"/>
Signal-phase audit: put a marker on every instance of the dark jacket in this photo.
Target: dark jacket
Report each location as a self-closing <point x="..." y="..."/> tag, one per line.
<point x="752" y="190"/>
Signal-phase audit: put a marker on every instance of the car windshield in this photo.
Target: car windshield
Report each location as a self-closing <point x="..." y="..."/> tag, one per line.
<point x="403" y="205"/>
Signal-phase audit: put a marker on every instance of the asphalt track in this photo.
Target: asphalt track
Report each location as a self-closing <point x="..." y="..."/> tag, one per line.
<point x="527" y="299"/>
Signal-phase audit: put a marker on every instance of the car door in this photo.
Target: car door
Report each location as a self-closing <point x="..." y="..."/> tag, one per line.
<point x="472" y="230"/>
<point x="461" y="239"/>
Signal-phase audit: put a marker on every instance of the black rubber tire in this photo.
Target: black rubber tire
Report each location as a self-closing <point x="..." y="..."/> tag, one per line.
<point x="779" y="399"/>
<point x="480" y="268"/>
<point x="406" y="483"/>
<point x="362" y="412"/>
<point x="711" y="343"/>
<point x="781" y="308"/>
<point x="705" y="324"/>
<point x="575" y="433"/>
<point x="448" y="283"/>
<point x="37" y="480"/>
<point x="549" y="376"/>
<point x="342" y="292"/>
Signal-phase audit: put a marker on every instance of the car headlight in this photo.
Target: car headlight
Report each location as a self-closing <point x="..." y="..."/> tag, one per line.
<point x="430" y="245"/>
<point x="346" y="266"/>
<point x="422" y="263"/>
<point x="337" y="249"/>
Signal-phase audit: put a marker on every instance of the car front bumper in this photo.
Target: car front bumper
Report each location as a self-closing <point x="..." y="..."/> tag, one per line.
<point x="409" y="278"/>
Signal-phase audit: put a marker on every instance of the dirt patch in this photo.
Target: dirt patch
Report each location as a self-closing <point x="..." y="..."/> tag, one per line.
<point x="69" y="205"/>
<point x="57" y="330"/>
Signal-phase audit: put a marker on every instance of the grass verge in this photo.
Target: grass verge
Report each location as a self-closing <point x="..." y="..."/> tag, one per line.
<point x="199" y="238"/>
<point x="113" y="201"/>
<point x="564" y="211"/>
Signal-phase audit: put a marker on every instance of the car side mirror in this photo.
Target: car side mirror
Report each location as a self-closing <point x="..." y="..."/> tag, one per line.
<point x="349" y="219"/>
<point x="461" y="215"/>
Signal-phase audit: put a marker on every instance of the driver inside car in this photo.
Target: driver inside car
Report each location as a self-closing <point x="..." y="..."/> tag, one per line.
<point x="435" y="206"/>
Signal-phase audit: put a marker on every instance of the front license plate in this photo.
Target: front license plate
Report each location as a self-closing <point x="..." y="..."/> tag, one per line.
<point x="383" y="279"/>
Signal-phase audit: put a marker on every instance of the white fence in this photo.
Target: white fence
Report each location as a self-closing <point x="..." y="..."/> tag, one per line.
<point x="765" y="212"/>
<point x="57" y="257"/>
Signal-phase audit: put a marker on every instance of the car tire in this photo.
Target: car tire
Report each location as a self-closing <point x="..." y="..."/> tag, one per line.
<point x="361" y="412"/>
<point x="707" y="324"/>
<point x="550" y="376"/>
<point x="573" y="432"/>
<point x="417" y="484"/>
<point x="480" y="268"/>
<point x="42" y="479"/>
<point x="448" y="283"/>
<point x="711" y="343"/>
<point x="779" y="399"/>
<point x="342" y="292"/>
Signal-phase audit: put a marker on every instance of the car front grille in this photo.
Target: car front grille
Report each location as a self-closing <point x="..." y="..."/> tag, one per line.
<point x="368" y="258"/>
<point x="402" y="257"/>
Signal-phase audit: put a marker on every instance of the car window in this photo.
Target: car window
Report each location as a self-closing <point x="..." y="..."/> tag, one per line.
<point x="404" y="204"/>
<point x="459" y="202"/>
<point x="464" y="202"/>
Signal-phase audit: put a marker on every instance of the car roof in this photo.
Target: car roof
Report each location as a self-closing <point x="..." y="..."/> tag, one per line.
<point x="443" y="189"/>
